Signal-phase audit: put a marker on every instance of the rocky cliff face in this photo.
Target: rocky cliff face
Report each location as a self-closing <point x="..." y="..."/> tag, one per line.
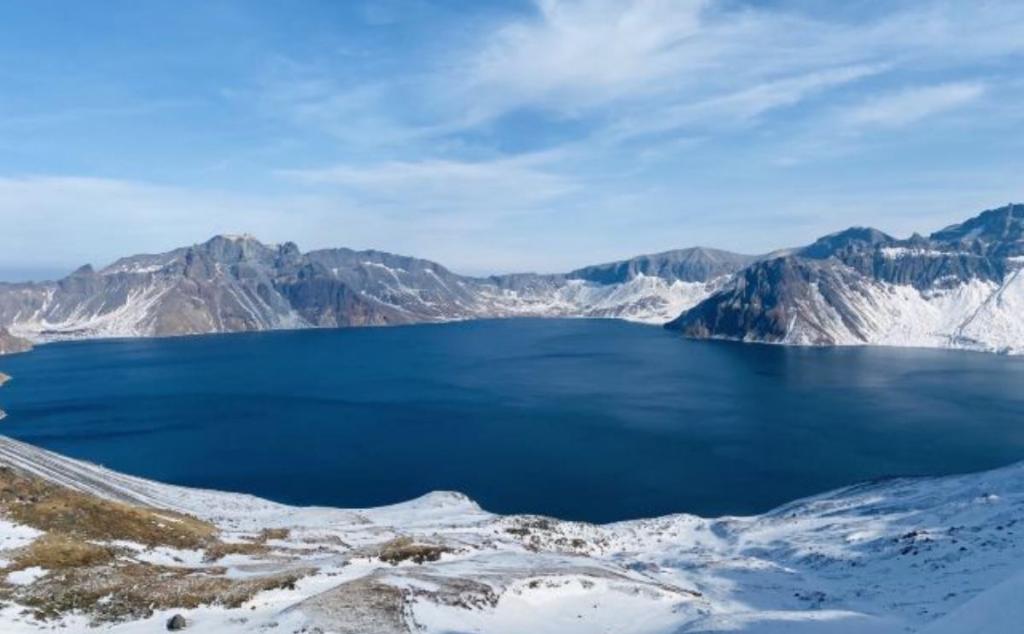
<point x="959" y="287"/>
<point x="236" y="283"/>
<point x="9" y="344"/>
<point x="698" y="264"/>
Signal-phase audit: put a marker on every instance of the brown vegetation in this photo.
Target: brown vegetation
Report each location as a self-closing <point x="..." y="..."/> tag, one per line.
<point x="406" y="549"/>
<point x="51" y="508"/>
<point x="87" y="573"/>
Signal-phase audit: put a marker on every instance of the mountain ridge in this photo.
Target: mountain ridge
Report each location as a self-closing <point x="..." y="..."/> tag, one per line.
<point x="958" y="287"/>
<point x="237" y="283"/>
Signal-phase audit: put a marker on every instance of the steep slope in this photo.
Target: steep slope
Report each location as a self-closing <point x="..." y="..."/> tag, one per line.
<point x="698" y="264"/>
<point x="960" y="287"/>
<point x="896" y="556"/>
<point x="9" y="344"/>
<point x="236" y="283"/>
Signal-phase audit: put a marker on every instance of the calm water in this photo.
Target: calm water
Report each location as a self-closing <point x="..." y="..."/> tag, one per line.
<point x="596" y="420"/>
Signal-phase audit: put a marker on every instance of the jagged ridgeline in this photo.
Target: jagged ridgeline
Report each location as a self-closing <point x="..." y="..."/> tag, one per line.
<point x="959" y="287"/>
<point x="236" y="283"/>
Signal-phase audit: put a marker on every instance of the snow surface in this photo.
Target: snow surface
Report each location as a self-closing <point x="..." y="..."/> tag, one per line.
<point x="973" y="315"/>
<point x="933" y="555"/>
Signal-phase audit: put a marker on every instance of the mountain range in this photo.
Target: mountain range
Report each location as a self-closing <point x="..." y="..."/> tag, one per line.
<point x="959" y="287"/>
<point x="236" y="283"/>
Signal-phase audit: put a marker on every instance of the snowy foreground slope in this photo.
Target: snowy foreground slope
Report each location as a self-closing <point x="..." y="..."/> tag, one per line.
<point x="936" y="555"/>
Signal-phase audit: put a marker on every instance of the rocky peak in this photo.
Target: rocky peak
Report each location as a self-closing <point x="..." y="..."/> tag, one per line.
<point x="854" y="238"/>
<point x="697" y="264"/>
<point x="998" y="231"/>
<point x="233" y="249"/>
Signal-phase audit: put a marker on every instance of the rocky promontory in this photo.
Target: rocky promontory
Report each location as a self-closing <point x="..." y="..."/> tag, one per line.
<point x="9" y="344"/>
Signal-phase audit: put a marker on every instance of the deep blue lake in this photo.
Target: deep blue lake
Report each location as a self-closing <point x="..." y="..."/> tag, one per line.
<point x="583" y="419"/>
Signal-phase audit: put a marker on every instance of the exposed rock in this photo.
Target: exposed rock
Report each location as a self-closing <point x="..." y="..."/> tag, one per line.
<point x="697" y="264"/>
<point x="960" y="287"/>
<point x="176" y="622"/>
<point x="236" y="283"/>
<point x="9" y="344"/>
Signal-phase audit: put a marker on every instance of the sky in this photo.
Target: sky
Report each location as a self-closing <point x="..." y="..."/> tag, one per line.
<point x="512" y="135"/>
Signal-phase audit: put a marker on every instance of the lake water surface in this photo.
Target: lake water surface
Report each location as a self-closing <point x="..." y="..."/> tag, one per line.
<point x="581" y="419"/>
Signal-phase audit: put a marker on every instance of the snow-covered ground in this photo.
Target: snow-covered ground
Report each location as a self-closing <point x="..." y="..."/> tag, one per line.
<point x="932" y="555"/>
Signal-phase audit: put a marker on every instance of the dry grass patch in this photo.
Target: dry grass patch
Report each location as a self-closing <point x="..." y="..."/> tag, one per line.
<point x="256" y="547"/>
<point x="104" y="581"/>
<point x="273" y="533"/>
<point x="220" y="550"/>
<point x="134" y="590"/>
<point x="406" y="549"/>
<point x="48" y="507"/>
<point x="54" y="551"/>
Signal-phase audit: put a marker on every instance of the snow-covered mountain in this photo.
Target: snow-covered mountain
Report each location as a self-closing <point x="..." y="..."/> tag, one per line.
<point x="123" y="554"/>
<point x="960" y="287"/>
<point x="236" y="283"/>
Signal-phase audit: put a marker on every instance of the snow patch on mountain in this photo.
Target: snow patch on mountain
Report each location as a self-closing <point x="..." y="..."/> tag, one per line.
<point x="976" y="315"/>
<point x="644" y="299"/>
<point x="234" y="284"/>
<point x="998" y="324"/>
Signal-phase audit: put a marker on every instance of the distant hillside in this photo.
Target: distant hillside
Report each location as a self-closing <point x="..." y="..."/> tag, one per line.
<point x="960" y="287"/>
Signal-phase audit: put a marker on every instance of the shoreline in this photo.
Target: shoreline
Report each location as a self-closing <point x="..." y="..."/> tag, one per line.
<point x="4" y="378"/>
<point x="1008" y="352"/>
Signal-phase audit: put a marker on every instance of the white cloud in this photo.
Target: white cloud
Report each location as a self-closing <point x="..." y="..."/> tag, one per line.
<point x="648" y="90"/>
<point x="634" y="67"/>
<point x="440" y="185"/>
<point x="744" y="105"/>
<point x="913" y="104"/>
<point x="587" y="52"/>
<point x="709" y="58"/>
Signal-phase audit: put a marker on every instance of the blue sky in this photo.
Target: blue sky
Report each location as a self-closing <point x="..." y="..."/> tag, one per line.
<point x="499" y="136"/>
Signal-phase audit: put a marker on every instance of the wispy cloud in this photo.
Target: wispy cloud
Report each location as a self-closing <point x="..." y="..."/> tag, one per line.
<point x="743" y="105"/>
<point x="632" y="67"/>
<point x="575" y="54"/>
<point x="913" y="104"/>
<point x="475" y="134"/>
<point x="442" y="185"/>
